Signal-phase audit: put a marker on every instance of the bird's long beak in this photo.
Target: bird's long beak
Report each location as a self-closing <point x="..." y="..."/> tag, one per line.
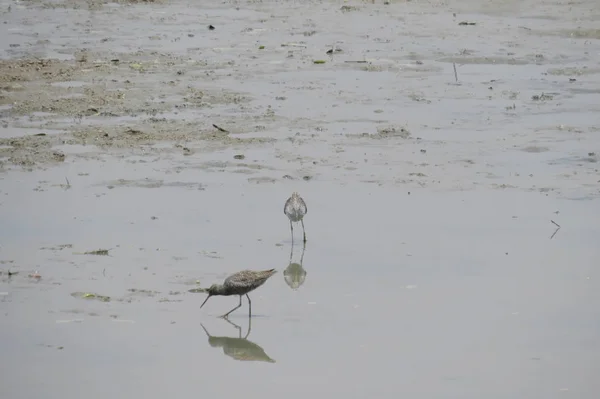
<point x="207" y="298"/>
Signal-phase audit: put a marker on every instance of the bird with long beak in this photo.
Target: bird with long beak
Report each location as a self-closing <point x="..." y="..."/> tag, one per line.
<point x="240" y="283"/>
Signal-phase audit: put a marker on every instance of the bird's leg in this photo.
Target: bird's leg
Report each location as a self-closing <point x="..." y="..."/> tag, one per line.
<point x="292" y="229"/>
<point x="304" y="232"/>
<point x="237" y="307"/>
<point x="302" y="256"/>
<point x="249" y="305"/>
<point x="291" y="251"/>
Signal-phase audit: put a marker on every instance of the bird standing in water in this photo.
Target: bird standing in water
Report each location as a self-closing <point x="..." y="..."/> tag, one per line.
<point x="240" y="283"/>
<point x="295" y="209"/>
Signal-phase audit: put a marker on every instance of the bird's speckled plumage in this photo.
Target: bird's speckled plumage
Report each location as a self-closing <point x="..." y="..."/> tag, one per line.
<point x="295" y="208"/>
<point x="240" y="283"/>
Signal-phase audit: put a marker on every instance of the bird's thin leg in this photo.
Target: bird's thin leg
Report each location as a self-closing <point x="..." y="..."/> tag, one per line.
<point x="249" y="305"/>
<point x="291" y="251"/>
<point x="304" y="232"/>
<point x="292" y="229"/>
<point x="237" y="307"/>
<point x="302" y="256"/>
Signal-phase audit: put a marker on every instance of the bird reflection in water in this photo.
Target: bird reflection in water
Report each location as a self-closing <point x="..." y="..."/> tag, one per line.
<point x="239" y="348"/>
<point x="294" y="275"/>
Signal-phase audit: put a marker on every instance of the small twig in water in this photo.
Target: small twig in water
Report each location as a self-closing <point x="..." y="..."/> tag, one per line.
<point x="220" y="128"/>
<point x="68" y="184"/>
<point x="455" y="74"/>
<point x="557" y="228"/>
<point x="332" y="49"/>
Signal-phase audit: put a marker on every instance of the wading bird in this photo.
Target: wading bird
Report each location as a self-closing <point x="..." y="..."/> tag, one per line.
<point x="295" y="209"/>
<point x="240" y="283"/>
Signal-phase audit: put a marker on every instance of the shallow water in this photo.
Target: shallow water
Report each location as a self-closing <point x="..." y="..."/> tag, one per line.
<point x="433" y="267"/>
<point x="424" y="294"/>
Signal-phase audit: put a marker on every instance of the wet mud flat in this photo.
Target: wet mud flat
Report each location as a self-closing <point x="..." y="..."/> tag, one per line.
<point x="448" y="153"/>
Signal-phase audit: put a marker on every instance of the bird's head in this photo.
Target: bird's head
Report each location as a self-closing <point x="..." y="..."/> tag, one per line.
<point x="212" y="290"/>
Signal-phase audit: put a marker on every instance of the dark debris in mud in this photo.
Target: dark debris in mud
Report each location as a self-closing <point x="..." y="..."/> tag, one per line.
<point x="542" y="97"/>
<point x="26" y="70"/>
<point x="27" y="151"/>
<point x="384" y="132"/>
<point x="393" y="131"/>
<point x="9" y="273"/>
<point x="99" y="252"/>
<point x="59" y="247"/>
<point x="73" y="96"/>
<point x="88" y="4"/>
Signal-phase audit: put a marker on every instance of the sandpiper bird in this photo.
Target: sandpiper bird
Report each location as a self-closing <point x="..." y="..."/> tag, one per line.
<point x="295" y="209"/>
<point x="240" y="283"/>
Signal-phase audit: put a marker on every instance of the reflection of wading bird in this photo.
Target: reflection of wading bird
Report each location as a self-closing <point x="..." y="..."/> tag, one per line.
<point x="240" y="283"/>
<point x="239" y="348"/>
<point x="295" y="209"/>
<point x="294" y="275"/>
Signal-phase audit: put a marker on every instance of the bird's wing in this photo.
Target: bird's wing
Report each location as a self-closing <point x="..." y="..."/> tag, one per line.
<point x="234" y="279"/>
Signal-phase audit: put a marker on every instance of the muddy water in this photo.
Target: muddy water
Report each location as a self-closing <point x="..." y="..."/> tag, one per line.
<point x="434" y="265"/>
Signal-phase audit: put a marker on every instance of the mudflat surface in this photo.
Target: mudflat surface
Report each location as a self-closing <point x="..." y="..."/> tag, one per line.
<point x="448" y="153"/>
